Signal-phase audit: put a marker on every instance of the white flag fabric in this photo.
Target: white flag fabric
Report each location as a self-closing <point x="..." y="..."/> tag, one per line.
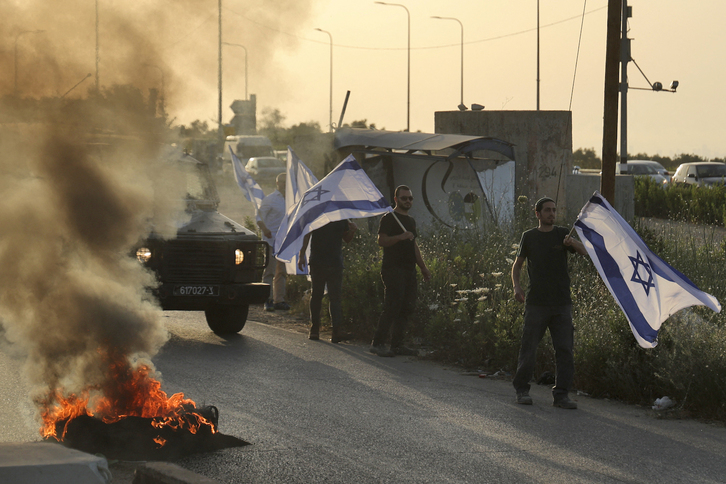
<point x="299" y="179"/>
<point x="646" y="288"/>
<point x="345" y="193"/>
<point x="249" y="186"/>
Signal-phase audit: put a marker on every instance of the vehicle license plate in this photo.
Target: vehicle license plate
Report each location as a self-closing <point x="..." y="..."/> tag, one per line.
<point x="196" y="290"/>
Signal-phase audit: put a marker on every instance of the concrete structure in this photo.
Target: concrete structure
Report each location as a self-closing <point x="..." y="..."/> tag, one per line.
<point x="581" y="187"/>
<point x="245" y="116"/>
<point x="41" y="462"/>
<point x="543" y="154"/>
<point x="542" y="139"/>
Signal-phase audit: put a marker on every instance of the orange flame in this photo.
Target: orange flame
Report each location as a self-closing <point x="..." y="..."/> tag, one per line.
<point x="127" y="392"/>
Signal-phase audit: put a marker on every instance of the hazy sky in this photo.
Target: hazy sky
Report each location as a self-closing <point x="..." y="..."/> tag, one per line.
<point x="289" y="60"/>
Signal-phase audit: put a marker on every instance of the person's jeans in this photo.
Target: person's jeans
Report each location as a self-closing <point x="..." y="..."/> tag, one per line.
<point x="333" y="277"/>
<point x="275" y="275"/>
<point x="536" y="321"/>
<point x="399" y="302"/>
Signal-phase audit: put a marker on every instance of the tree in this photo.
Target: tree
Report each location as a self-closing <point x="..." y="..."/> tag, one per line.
<point x="586" y="158"/>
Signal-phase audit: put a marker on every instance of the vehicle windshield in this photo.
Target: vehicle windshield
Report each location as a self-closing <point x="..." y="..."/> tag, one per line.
<point x="706" y="171"/>
<point x="643" y="170"/>
<point x="245" y="152"/>
<point x="270" y="163"/>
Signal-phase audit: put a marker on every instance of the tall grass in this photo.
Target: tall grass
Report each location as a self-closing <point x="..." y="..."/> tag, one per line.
<point x="466" y="314"/>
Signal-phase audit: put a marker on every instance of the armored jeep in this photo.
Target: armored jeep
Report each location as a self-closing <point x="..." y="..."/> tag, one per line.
<point x="213" y="264"/>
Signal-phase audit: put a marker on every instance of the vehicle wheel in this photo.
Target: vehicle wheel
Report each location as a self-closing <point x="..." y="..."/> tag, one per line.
<point x="226" y="319"/>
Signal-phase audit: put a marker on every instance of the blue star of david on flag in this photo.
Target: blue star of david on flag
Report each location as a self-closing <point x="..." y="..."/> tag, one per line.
<point x="345" y="193"/>
<point x="610" y="243"/>
<point x="313" y="195"/>
<point x="637" y="263"/>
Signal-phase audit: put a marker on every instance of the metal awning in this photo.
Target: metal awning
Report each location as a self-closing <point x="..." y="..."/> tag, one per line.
<point x="411" y="142"/>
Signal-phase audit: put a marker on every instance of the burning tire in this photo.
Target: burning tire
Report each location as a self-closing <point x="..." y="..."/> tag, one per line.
<point x="226" y="319"/>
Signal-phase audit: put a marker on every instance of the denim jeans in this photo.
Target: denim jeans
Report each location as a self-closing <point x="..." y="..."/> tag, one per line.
<point x="398" y="304"/>
<point x="333" y="277"/>
<point x="537" y="319"/>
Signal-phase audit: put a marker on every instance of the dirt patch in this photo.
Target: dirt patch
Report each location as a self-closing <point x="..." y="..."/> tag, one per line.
<point x="292" y="320"/>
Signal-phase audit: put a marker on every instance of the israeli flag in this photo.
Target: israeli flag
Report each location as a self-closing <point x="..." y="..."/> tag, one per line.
<point x="299" y="179"/>
<point x="646" y="288"/>
<point x="345" y="193"/>
<point x="249" y="186"/>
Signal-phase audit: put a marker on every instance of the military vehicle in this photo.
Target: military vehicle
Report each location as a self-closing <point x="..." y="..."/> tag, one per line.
<point x="213" y="264"/>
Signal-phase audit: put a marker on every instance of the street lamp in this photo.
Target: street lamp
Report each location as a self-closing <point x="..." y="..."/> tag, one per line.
<point x="161" y="71"/>
<point x="17" y="37"/>
<point x="245" y="49"/>
<point x="408" y="82"/>
<point x="625" y="57"/>
<point x="462" y="53"/>
<point x="330" y="120"/>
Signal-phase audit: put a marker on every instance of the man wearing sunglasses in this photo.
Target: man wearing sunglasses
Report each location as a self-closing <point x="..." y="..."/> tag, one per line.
<point x="401" y="255"/>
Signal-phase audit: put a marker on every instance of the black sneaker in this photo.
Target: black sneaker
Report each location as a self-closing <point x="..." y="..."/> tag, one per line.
<point x="269" y="305"/>
<point x="523" y="398"/>
<point x="564" y="402"/>
<point x="404" y="351"/>
<point x="381" y="350"/>
<point x="282" y="306"/>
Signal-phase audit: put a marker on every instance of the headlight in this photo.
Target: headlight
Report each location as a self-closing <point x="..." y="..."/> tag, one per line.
<point x="143" y="254"/>
<point x="239" y="256"/>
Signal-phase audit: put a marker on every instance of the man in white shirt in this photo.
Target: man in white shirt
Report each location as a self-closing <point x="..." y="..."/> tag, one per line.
<point x="269" y="218"/>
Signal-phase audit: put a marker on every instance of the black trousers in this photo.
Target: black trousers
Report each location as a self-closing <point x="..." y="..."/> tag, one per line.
<point x="537" y="319"/>
<point x="399" y="302"/>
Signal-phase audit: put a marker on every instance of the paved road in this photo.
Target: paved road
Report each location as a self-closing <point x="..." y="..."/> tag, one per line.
<point x="318" y="412"/>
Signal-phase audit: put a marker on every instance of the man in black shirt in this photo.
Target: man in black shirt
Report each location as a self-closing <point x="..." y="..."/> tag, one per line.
<point x="401" y="255"/>
<point x="547" y="303"/>
<point x="326" y="268"/>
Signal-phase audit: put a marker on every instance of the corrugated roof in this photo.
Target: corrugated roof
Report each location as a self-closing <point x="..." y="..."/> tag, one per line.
<point x="401" y="140"/>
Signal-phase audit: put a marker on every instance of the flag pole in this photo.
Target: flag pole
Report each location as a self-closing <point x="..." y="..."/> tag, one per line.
<point x="399" y="222"/>
<point x="572" y="231"/>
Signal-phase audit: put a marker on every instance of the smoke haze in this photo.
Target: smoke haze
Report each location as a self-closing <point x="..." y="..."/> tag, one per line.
<point x="145" y="43"/>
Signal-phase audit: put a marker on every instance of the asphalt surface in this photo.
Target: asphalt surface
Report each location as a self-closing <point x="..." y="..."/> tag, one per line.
<point x="318" y="412"/>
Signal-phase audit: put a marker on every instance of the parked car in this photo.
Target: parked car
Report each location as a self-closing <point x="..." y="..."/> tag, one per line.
<point x="650" y="168"/>
<point x="213" y="264"/>
<point x="265" y="167"/>
<point x="702" y="173"/>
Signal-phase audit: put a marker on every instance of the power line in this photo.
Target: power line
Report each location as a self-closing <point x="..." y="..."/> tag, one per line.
<point x="443" y="46"/>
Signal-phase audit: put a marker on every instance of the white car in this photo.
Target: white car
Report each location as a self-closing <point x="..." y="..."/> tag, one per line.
<point x="649" y="168"/>
<point x="265" y="167"/>
<point x="702" y="173"/>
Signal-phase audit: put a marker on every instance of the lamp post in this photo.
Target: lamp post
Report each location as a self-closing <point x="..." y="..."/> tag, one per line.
<point x="17" y="37"/>
<point x="245" y="49"/>
<point x="161" y="71"/>
<point x="98" y="85"/>
<point x="625" y="57"/>
<point x="330" y="119"/>
<point x="537" y="55"/>
<point x="408" y="82"/>
<point x="219" y="73"/>
<point x="462" y="53"/>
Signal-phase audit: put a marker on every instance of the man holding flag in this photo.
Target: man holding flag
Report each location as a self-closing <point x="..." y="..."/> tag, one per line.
<point x="401" y="255"/>
<point x="548" y="304"/>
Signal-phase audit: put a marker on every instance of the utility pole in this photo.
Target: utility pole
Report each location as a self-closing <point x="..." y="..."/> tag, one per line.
<point x="610" y="111"/>
<point x="98" y="57"/>
<point x="624" y="59"/>
<point x="219" y="77"/>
